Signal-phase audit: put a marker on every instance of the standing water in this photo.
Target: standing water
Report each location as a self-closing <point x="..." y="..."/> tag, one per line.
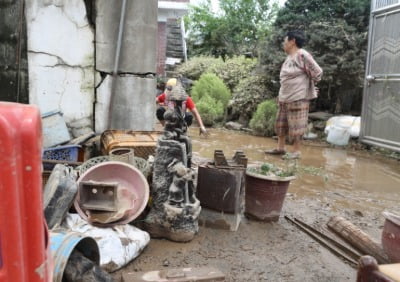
<point x="350" y="178"/>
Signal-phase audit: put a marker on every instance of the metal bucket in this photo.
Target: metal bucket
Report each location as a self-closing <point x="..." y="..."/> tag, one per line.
<point x="64" y="243"/>
<point x="125" y="155"/>
<point x="264" y="196"/>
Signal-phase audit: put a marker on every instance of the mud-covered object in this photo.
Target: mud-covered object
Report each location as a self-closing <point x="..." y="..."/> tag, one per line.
<point x="81" y="269"/>
<point x="59" y="194"/>
<point x="175" y="210"/>
<point x="118" y="245"/>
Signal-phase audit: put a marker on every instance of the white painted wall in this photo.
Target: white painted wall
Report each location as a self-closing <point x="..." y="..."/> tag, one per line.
<point x="61" y="60"/>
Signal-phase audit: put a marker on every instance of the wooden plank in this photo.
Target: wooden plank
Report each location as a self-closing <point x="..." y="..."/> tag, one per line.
<point x="391" y="270"/>
<point x="188" y="274"/>
<point x="324" y="243"/>
<point x="357" y="238"/>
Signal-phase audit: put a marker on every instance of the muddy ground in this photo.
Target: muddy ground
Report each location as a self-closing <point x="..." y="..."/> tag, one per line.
<point x="356" y="184"/>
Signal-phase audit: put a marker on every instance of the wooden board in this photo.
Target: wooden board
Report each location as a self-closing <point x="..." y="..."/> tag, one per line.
<point x="391" y="270"/>
<point x="188" y="274"/>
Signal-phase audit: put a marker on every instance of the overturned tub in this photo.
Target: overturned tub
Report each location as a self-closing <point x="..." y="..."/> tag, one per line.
<point x="111" y="193"/>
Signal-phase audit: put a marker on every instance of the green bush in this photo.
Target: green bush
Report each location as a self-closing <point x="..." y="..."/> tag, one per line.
<point x="250" y="92"/>
<point x="196" y="66"/>
<point x="263" y="121"/>
<point x="210" y="110"/>
<point x="233" y="70"/>
<point x="211" y="85"/>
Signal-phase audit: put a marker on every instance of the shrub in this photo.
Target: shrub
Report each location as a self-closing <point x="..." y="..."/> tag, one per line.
<point x="250" y="92"/>
<point x="211" y="85"/>
<point x="263" y="121"/>
<point x="210" y="110"/>
<point x="196" y="66"/>
<point x="233" y="70"/>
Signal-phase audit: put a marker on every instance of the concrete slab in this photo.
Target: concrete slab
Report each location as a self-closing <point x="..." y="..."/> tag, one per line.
<point x="219" y="220"/>
<point x="139" y="40"/>
<point x="133" y="105"/>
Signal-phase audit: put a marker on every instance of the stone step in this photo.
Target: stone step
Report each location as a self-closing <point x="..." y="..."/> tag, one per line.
<point x="174" y="54"/>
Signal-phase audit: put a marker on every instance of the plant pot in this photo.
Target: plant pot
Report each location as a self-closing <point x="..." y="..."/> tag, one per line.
<point x="391" y="237"/>
<point x="265" y="195"/>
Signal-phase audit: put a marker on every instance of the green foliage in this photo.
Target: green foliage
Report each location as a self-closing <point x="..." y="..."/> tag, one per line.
<point x="236" y="30"/>
<point x="272" y="170"/>
<point x="233" y="70"/>
<point x="210" y="109"/>
<point x="196" y="66"/>
<point x="263" y="121"/>
<point x="211" y="96"/>
<point x="211" y="85"/>
<point x="246" y="96"/>
<point x="337" y="38"/>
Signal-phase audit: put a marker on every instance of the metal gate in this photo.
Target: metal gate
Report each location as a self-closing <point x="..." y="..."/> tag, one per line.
<point x="380" y="123"/>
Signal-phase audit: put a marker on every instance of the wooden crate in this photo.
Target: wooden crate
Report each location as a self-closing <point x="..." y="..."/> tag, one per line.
<point x="143" y="142"/>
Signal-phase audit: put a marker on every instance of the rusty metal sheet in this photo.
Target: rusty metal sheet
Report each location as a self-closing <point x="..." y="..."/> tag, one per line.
<point x="221" y="189"/>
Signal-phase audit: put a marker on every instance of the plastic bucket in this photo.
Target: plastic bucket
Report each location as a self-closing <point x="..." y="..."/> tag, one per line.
<point x="132" y="193"/>
<point x="64" y="243"/>
<point x="338" y="135"/>
<point x="264" y="196"/>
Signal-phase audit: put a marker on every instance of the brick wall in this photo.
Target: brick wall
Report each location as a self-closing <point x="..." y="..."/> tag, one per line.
<point x="162" y="48"/>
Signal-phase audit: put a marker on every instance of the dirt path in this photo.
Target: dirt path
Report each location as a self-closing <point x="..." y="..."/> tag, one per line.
<point x="357" y="186"/>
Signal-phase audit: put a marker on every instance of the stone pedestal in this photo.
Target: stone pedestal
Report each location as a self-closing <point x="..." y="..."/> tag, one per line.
<point x="175" y="208"/>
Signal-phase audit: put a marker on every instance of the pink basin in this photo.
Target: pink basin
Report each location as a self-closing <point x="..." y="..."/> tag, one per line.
<point x="132" y="193"/>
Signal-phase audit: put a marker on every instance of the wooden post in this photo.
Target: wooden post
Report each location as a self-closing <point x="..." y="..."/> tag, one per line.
<point x="357" y="238"/>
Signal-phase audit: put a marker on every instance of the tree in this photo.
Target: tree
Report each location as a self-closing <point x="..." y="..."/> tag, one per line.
<point x="236" y="30"/>
<point x="337" y="38"/>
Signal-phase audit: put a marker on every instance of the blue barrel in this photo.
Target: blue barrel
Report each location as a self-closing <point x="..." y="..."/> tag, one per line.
<point x="62" y="245"/>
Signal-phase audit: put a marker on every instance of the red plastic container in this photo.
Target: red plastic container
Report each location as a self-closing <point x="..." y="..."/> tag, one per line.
<point x="23" y="233"/>
<point x="391" y="237"/>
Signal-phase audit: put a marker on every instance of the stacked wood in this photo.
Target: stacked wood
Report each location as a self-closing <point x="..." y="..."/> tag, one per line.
<point x="357" y="238"/>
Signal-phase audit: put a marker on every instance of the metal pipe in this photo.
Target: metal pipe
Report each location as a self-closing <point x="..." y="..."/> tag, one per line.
<point x="335" y="251"/>
<point x="116" y="61"/>
<point x="120" y="32"/>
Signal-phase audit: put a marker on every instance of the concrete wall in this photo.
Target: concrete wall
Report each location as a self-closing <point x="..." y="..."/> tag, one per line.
<point x="133" y="86"/>
<point x="61" y="60"/>
<point x="13" y="58"/>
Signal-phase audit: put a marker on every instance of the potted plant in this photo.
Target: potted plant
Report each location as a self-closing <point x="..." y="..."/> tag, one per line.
<point x="266" y="187"/>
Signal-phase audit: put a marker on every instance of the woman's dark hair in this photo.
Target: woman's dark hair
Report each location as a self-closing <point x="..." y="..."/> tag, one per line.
<point x="298" y="36"/>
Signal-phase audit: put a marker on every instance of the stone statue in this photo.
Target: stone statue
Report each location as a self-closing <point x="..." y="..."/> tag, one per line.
<point x="175" y="210"/>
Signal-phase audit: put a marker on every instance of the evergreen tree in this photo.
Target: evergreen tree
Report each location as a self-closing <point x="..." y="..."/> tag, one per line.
<point x="336" y="33"/>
